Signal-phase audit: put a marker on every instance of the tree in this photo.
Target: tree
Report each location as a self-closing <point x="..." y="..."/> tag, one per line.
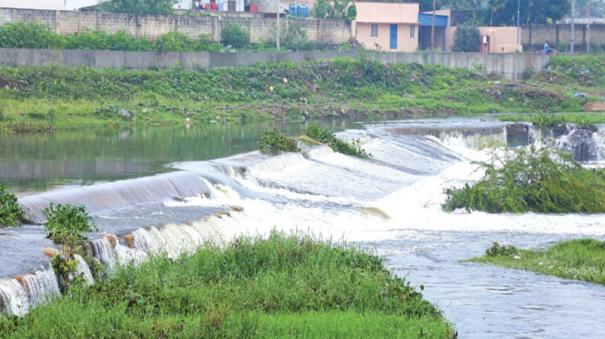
<point x="532" y="12"/>
<point x="335" y="9"/>
<point x="139" y="7"/>
<point x="467" y="39"/>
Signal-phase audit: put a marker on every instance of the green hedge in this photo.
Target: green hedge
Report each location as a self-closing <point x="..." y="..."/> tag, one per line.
<point x="34" y="35"/>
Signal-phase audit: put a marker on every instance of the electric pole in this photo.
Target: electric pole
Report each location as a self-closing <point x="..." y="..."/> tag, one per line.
<point x="518" y="22"/>
<point x="278" y="26"/>
<point x="588" y="26"/>
<point x="433" y="28"/>
<point x="573" y="26"/>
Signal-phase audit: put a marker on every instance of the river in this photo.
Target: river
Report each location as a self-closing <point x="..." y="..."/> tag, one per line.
<point x="389" y="205"/>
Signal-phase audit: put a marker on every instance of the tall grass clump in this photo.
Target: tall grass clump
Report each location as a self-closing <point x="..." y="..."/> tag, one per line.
<point x="538" y="180"/>
<point x="326" y="136"/>
<point x="275" y="142"/>
<point x="66" y="225"/>
<point x="253" y="288"/>
<point x="11" y="213"/>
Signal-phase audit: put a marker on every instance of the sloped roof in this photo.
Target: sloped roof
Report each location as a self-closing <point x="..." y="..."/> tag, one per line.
<point x="388" y="13"/>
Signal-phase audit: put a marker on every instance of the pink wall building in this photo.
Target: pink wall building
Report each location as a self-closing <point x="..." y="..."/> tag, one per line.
<point x="387" y="26"/>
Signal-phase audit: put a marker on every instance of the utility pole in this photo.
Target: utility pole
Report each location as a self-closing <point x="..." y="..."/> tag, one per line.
<point x="278" y="26"/>
<point x="573" y="26"/>
<point x="518" y="22"/>
<point x="588" y="26"/>
<point x="433" y="28"/>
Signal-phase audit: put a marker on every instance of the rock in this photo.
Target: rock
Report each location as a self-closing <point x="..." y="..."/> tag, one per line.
<point x="50" y="252"/>
<point x="517" y="134"/>
<point x="129" y="238"/>
<point x="124" y="113"/>
<point x="581" y="144"/>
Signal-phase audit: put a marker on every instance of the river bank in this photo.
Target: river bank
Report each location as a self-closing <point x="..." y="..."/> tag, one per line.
<point x="580" y="259"/>
<point x="281" y="286"/>
<point x="43" y="99"/>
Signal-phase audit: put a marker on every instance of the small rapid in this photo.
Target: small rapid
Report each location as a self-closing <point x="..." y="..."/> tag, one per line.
<point x="390" y="204"/>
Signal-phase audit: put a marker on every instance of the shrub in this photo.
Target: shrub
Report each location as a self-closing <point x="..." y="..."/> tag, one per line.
<point x="467" y="39"/>
<point x="327" y="136"/>
<point x="28" y="35"/>
<point x="547" y="120"/>
<point x="66" y="223"/>
<point x="274" y="142"/>
<point x="539" y="180"/>
<point x="295" y="37"/>
<point x="98" y="40"/>
<point x="11" y="213"/>
<point x="235" y="36"/>
<point x="498" y="250"/>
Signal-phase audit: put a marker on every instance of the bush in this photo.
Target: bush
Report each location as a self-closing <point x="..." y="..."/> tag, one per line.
<point x="296" y="37"/>
<point x="327" y="136"/>
<point x="274" y="142"/>
<point x="547" y="120"/>
<point x="11" y="213"/>
<point x="235" y="36"/>
<point x="98" y="40"/>
<point x="66" y="223"/>
<point x="498" y="250"/>
<point x="538" y="180"/>
<point x="28" y="35"/>
<point x="467" y="39"/>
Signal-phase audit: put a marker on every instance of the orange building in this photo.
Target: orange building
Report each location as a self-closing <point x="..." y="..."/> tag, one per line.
<point x="387" y="26"/>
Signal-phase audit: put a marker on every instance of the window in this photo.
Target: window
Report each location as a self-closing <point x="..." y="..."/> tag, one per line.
<point x="374" y="31"/>
<point x="413" y="32"/>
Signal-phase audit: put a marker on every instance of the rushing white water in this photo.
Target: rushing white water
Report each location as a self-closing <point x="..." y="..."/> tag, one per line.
<point x="394" y="198"/>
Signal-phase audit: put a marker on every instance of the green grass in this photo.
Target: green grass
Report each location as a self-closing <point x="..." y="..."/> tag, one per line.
<point x="582" y="259"/>
<point x="279" y="287"/>
<point x="573" y="118"/>
<point x="83" y="97"/>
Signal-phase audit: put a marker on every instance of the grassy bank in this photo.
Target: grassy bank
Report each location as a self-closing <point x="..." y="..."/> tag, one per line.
<point x="280" y="287"/>
<point x="556" y="118"/>
<point x="45" y="98"/>
<point x="582" y="259"/>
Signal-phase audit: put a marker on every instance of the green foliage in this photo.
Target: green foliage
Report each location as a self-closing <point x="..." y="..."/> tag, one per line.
<point x="355" y="88"/>
<point x="538" y="180"/>
<point x="66" y="224"/>
<point x="467" y="39"/>
<point x="235" y="36"/>
<point x="556" y="119"/>
<point x="586" y="70"/>
<point x="499" y="250"/>
<point x="252" y="288"/>
<point x="28" y="35"/>
<point x="295" y="37"/>
<point x="327" y="136"/>
<point x="138" y="7"/>
<point x="33" y="35"/>
<point x="582" y="259"/>
<point x="335" y="9"/>
<point x="179" y="42"/>
<point x="274" y="142"/>
<point x="11" y="213"/>
<point x="98" y="40"/>
<point x="547" y="120"/>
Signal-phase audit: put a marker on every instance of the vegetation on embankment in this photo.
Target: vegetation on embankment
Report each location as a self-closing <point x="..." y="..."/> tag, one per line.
<point x="582" y="259"/>
<point x="556" y="119"/>
<point x="11" y="213"/>
<point x="538" y="180"/>
<point x="43" y="98"/>
<point x="279" y="287"/>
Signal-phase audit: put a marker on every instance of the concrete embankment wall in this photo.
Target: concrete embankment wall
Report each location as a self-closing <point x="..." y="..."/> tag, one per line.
<point x="508" y="65"/>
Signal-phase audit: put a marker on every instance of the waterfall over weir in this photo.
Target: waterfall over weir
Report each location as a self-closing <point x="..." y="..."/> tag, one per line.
<point x="390" y="203"/>
<point x="119" y="194"/>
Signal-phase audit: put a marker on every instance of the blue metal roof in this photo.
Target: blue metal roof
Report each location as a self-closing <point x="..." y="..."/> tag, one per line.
<point x="426" y="19"/>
